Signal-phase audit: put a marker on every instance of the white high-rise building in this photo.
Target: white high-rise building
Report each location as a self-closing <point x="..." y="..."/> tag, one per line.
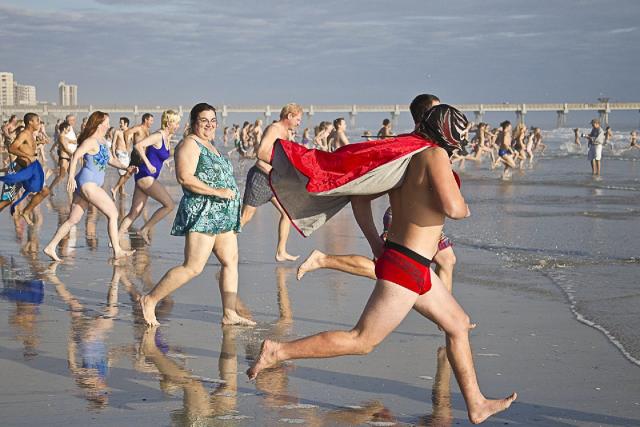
<point x="6" y="89"/>
<point x="68" y="94"/>
<point x="24" y="94"/>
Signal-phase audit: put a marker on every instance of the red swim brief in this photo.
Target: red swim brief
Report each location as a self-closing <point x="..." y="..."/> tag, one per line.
<point x="404" y="267"/>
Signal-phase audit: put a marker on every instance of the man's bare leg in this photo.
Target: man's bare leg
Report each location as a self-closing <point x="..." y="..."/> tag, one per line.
<point x="445" y="261"/>
<point x="284" y="227"/>
<point x="120" y="185"/>
<point x="439" y="306"/>
<point x="388" y="305"/>
<point x="247" y="213"/>
<point x="352" y="264"/>
<point x="35" y="201"/>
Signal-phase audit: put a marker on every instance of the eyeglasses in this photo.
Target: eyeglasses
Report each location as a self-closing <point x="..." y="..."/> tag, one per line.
<point x="205" y="122"/>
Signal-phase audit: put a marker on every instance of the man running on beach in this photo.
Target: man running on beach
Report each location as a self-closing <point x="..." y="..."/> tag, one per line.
<point x="257" y="191"/>
<point x="131" y="137"/>
<point x="30" y="174"/>
<point x="427" y="194"/>
<point x="119" y="150"/>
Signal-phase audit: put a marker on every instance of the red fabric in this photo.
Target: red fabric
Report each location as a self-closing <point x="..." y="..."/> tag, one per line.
<point x="398" y="268"/>
<point x="327" y="171"/>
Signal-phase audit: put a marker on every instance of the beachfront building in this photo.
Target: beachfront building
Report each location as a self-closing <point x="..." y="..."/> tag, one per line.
<point x="24" y="94"/>
<point x="68" y="94"/>
<point x="6" y="88"/>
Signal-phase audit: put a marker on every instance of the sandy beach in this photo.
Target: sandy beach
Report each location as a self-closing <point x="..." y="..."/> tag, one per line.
<point x="547" y="268"/>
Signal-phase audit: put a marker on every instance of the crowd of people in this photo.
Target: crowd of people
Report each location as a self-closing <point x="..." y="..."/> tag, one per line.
<point x="212" y="212"/>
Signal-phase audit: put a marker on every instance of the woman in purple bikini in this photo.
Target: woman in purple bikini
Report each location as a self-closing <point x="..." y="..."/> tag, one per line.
<point x="153" y="151"/>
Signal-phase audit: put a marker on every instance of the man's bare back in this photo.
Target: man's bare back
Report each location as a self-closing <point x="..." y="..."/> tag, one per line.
<point x="273" y="132"/>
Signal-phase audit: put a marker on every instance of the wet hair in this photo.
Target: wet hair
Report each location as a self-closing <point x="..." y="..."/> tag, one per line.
<point x="95" y="119"/>
<point x="420" y="104"/>
<point x="28" y="118"/>
<point x="386" y="122"/>
<point x="195" y="112"/>
<point x="290" y="108"/>
<point x="13" y="116"/>
<point x="169" y="116"/>
<point x="337" y="122"/>
<point x="245" y="124"/>
<point x="125" y="120"/>
<point x="146" y="116"/>
<point x="505" y="124"/>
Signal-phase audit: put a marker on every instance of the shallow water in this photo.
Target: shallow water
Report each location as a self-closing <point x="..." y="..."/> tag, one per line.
<point x="72" y="347"/>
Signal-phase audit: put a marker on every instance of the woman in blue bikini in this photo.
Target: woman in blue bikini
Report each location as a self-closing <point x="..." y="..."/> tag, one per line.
<point x="86" y="186"/>
<point x="153" y="151"/>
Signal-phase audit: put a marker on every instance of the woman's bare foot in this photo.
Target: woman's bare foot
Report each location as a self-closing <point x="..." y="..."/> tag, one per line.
<point x="148" y="311"/>
<point x="280" y="257"/>
<point x="310" y="264"/>
<point x="267" y="358"/>
<point x="489" y="408"/>
<point x="114" y="194"/>
<point x="122" y="253"/>
<point x="51" y="253"/>
<point x="236" y="319"/>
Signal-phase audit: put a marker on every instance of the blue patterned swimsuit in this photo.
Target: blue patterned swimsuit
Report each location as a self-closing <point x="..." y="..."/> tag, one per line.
<point x="94" y="168"/>
<point x="209" y="214"/>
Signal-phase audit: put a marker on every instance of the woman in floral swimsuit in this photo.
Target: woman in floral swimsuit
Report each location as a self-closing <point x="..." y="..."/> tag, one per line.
<point x="208" y="216"/>
<point x="86" y="186"/>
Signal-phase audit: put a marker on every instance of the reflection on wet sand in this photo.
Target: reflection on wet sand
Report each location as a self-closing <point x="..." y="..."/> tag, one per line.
<point x="88" y="356"/>
<point x="441" y="415"/>
<point x="277" y="397"/>
<point x="199" y="404"/>
<point x="27" y="295"/>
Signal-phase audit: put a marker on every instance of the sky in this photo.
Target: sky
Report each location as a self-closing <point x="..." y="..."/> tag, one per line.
<point x="156" y="52"/>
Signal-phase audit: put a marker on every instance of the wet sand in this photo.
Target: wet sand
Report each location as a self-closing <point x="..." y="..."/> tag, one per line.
<point x="72" y="350"/>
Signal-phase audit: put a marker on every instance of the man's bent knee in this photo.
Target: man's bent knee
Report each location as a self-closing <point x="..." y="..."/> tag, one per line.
<point x="362" y="345"/>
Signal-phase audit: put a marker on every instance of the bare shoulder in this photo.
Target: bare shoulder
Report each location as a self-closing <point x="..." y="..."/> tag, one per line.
<point x="188" y="145"/>
<point x="432" y="154"/>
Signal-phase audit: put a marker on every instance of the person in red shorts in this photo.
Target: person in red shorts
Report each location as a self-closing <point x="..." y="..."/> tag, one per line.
<point x="427" y="195"/>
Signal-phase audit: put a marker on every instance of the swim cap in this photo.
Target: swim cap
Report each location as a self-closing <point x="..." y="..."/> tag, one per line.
<point x="445" y="125"/>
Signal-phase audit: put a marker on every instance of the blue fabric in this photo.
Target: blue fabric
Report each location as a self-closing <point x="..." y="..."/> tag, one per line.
<point x="94" y="168"/>
<point x="94" y="356"/>
<point x="30" y="291"/>
<point x="31" y="178"/>
<point x="156" y="157"/>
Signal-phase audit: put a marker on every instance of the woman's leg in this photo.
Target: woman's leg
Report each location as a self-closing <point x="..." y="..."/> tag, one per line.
<point x="157" y="192"/>
<point x="78" y="206"/>
<point x="225" y="249"/>
<point x="138" y="201"/>
<point x="197" y="249"/>
<point x="101" y="200"/>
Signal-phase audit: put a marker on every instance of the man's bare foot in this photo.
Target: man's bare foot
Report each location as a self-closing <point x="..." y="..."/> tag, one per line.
<point x="310" y="264"/>
<point x="123" y="253"/>
<point x="51" y="253"/>
<point x="267" y="358"/>
<point x="280" y="257"/>
<point x="236" y="319"/>
<point x="25" y="216"/>
<point x="148" y="311"/>
<point x="489" y="408"/>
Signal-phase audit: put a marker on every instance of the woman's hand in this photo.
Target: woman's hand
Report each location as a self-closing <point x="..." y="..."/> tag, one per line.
<point x="151" y="169"/>
<point x="225" y="193"/>
<point x="71" y="184"/>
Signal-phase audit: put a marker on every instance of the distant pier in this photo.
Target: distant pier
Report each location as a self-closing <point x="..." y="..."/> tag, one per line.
<point x="603" y="109"/>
